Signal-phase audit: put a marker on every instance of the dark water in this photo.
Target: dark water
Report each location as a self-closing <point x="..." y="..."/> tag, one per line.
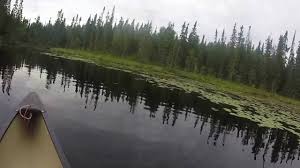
<point x="108" y="118"/>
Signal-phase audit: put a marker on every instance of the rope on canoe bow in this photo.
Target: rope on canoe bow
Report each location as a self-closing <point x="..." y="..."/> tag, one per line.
<point x="27" y="115"/>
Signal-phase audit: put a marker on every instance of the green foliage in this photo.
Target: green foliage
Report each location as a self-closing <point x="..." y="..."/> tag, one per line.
<point x="12" y="24"/>
<point x="264" y="66"/>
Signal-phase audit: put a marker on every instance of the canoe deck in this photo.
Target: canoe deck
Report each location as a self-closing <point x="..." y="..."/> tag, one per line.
<point x="29" y="144"/>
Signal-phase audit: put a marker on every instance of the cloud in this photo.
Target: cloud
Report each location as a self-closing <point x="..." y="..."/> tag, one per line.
<point x="265" y="16"/>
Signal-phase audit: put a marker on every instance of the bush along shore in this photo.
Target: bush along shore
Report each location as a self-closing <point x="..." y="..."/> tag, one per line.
<point x="264" y="108"/>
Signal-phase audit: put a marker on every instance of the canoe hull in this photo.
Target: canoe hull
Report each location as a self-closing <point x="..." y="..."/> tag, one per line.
<point x="30" y="144"/>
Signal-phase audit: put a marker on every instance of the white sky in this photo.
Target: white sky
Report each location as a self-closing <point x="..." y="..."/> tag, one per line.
<point x="265" y="16"/>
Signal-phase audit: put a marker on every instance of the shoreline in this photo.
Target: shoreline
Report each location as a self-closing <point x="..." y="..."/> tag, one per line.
<point x="267" y="109"/>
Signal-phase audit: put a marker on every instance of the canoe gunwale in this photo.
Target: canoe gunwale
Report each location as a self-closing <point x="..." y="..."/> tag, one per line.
<point x="11" y="116"/>
<point x="55" y="141"/>
<point x="6" y="124"/>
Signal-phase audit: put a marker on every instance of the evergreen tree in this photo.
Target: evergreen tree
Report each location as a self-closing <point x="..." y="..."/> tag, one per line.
<point x="279" y="63"/>
<point x="251" y="60"/>
<point x="15" y="9"/>
<point x="289" y="87"/>
<point x="182" y="49"/>
<point x="19" y="15"/>
<point x="117" y="43"/>
<point x="232" y="59"/>
<point x="240" y="69"/>
<point x="223" y="38"/>
<point x="268" y="64"/>
<point x="108" y="31"/>
<point x="193" y="51"/>
<point x="297" y="74"/>
<point x="260" y="67"/>
<point x="222" y="58"/>
<point x="216" y="36"/>
<point x="166" y="38"/>
<point x="146" y="46"/>
<point x="58" y="34"/>
<point x="233" y="38"/>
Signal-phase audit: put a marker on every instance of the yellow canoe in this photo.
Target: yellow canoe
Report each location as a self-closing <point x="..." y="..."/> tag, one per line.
<point x="27" y="140"/>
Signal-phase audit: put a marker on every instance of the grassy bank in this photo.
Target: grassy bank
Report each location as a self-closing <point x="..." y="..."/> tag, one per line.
<point x="130" y="64"/>
<point x="271" y="110"/>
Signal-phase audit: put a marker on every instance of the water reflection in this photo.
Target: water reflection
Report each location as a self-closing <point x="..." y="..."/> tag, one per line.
<point x="6" y="76"/>
<point x="96" y="85"/>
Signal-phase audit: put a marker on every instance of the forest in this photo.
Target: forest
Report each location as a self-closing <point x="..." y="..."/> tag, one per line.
<point x="272" y="64"/>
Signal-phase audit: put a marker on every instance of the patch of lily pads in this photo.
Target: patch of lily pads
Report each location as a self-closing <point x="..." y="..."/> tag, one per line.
<point x="264" y="114"/>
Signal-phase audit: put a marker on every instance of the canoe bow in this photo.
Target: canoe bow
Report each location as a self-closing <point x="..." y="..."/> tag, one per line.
<point x="30" y="142"/>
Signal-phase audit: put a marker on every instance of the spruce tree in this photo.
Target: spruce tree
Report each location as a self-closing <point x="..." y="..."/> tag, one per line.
<point x="289" y="86"/>
<point x="297" y="74"/>
<point x="216" y="36"/>
<point x="182" y="51"/>
<point x="166" y="37"/>
<point x="19" y="14"/>
<point x="231" y="60"/>
<point x="268" y="64"/>
<point x="233" y="38"/>
<point x="223" y="38"/>
<point x="15" y="9"/>
<point x="279" y="63"/>
<point x="193" y="41"/>
<point x="241" y="69"/>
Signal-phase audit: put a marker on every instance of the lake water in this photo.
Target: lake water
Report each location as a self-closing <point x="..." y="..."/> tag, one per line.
<point x="111" y="119"/>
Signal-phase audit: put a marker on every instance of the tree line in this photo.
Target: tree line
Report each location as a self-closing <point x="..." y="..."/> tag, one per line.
<point x="270" y="65"/>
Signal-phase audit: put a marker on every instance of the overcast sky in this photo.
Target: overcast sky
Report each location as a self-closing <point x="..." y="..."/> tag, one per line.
<point x="267" y="17"/>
